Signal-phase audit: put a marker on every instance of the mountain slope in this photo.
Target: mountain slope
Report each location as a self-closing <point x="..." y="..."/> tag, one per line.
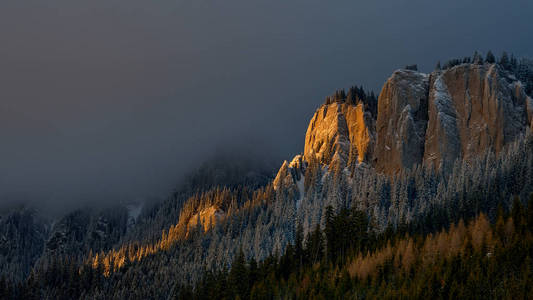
<point x="421" y="154"/>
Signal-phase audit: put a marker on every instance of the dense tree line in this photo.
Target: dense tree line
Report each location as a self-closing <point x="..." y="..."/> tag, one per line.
<point x="338" y="213"/>
<point x="470" y="260"/>
<point x="355" y="95"/>
<point x="22" y="242"/>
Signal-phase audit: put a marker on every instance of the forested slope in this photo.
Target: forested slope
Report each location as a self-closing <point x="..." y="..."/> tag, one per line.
<point x="336" y="221"/>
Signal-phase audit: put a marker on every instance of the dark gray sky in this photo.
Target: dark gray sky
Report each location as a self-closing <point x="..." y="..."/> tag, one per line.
<point x="110" y="100"/>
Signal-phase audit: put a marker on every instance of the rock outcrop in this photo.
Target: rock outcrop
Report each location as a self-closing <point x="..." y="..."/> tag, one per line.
<point x="473" y="108"/>
<point x="401" y="122"/>
<point x="423" y="118"/>
<point x="290" y="173"/>
<point x="337" y="131"/>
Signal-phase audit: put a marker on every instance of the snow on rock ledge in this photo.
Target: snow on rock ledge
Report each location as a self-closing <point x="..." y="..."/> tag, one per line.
<point x="290" y="173"/>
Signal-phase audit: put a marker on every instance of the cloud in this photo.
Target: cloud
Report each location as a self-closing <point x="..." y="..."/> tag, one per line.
<point x="111" y="100"/>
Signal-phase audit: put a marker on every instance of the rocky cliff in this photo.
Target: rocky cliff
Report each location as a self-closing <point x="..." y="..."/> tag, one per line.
<point x="473" y="108"/>
<point x="338" y="131"/>
<point x="424" y="118"/>
<point x="401" y="121"/>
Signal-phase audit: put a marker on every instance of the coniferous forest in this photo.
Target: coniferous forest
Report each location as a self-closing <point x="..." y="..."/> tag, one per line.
<point x="327" y="225"/>
<point x="473" y="259"/>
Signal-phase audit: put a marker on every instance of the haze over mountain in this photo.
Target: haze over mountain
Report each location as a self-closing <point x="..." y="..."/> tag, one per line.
<point x="431" y="151"/>
<point x="115" y="100"/>
<point x="183" y="149"/>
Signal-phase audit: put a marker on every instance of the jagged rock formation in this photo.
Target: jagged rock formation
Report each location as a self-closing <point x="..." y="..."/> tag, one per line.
<point x="290" y="174"/>
<point x="473" y="108"/>
<point x="337" y="131"/>
<point x="424" y="118"/>
<point x="401" y="121"/>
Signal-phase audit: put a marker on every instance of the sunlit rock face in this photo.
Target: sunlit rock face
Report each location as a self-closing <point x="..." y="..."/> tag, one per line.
<point x="473" y="108"/>
<point x="360" y="127"/>
<point x="423" y="118"/>
<point x="335" y="130"/>
<point x="207" y="217"/>
<point x="290" y="174"/>
<point x="401" y="121"/>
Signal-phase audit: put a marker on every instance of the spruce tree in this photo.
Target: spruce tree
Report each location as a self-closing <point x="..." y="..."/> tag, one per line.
<point x="238" y="277"/>
<point x="477" y="58"/>
<point x="530" y="212"/>
<point x="513" y="63"/>
<point x="504" y="60"/>
<point x="3" y="288"/>
<point x="490" y="58"/>
<point x="517" y="213"/>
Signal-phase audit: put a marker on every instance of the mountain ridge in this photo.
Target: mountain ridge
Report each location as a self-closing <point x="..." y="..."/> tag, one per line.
<point x="430" y="119"/>
<point x="208" y="222"/>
